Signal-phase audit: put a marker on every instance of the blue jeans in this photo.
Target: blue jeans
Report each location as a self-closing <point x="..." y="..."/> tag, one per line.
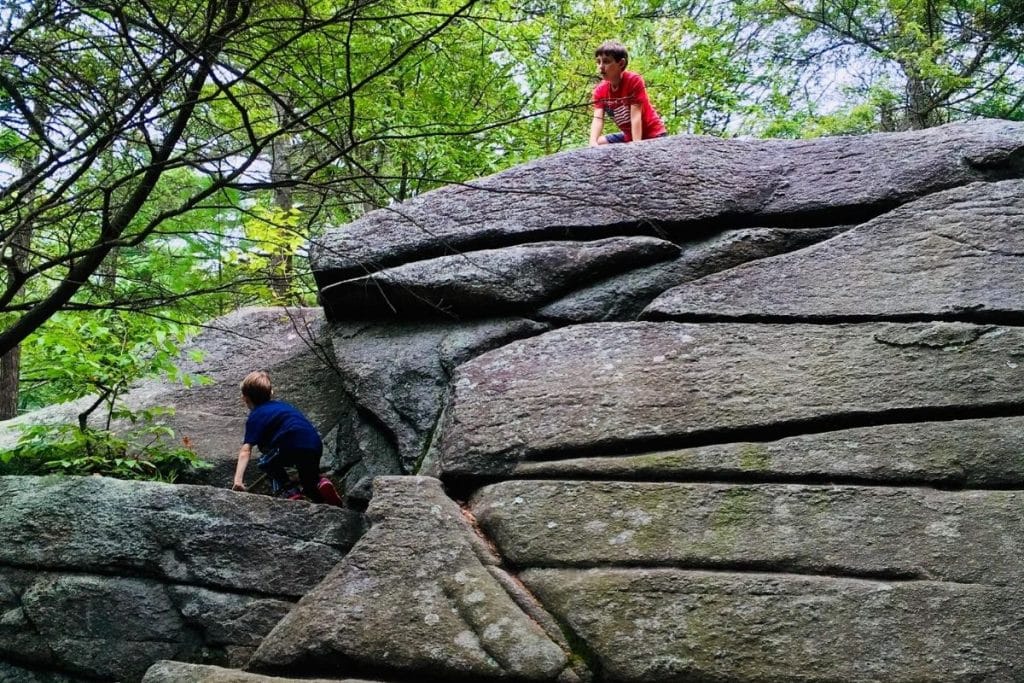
<point x="621" y="137"/>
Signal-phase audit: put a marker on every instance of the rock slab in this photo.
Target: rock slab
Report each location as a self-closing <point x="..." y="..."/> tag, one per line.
<point x="609" y="387"/>
<point x="416" y="596"/>
<point x="678" y="626"/>
<point x="99" y="577"/>
<point x="956" y="253"/>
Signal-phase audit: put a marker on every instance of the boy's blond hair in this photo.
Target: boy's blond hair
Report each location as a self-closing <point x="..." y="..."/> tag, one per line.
<point x="613" y="49"/>
<point x="256" y="387"/>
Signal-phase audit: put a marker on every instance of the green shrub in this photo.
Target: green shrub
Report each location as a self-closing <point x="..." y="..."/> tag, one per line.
<point x="147" y="451"/>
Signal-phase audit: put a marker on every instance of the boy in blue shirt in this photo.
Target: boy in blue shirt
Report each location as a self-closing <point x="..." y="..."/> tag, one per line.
<point x="285" y="437"/>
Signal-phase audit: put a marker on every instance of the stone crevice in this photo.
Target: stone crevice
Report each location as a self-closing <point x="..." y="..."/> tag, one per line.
<point x="1004" y="318"/>
<point x="782" y="569"/>
<point x="467" y="486"/>
<point x="998" y="166"/>
<point x="489" y="554"/>
<point x="678" y="232"/>
<point x="779" y="430"/>
<point x="121" y="572"/>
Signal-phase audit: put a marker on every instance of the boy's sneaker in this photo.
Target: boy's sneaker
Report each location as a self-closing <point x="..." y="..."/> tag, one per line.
<point x="328" y="492"/>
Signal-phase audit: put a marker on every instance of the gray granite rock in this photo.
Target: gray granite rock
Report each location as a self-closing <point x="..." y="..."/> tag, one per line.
<point x="624" y="297"/>
<point x="488" y="282"/>
<point x="958" y="253"/>
<point x="398" y="375"/>
<point x="680" y="626"/>
<point x="865" y="531"/>
<point x="197" y="535"/>
<point x="638" y="387"/>
<point x="99" y="578"/>
<point x="181" y="672"/>
<point x="114" y="628"/>
<point x="981" y="453"/>
<point x="414" y="597"/>
<point x="673" y="186"/>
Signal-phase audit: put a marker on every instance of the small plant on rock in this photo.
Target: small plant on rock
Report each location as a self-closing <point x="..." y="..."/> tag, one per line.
<point x="146" y="451"/>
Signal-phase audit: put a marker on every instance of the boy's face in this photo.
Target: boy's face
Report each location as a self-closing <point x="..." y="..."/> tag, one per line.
<point x="610" y="68"/>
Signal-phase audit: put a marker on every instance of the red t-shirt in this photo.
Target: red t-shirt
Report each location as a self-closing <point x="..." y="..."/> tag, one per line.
<point x="631" y="90"/>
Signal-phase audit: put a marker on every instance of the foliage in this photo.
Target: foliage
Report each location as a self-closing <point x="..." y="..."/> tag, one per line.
<point x="98" y="354"/>
<point x="162" y="164"/>
<point x="141" y="453"/>
<point x="272" y="239"/>
<point x="113" y="102"/>
<point x="935" y="60"/>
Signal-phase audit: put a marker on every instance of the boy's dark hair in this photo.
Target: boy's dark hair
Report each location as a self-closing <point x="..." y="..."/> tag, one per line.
<point x="613" y="49"/>
<point x="256" y="387"/>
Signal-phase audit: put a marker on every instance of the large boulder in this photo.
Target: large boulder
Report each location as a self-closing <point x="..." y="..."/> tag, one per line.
<point x="801" y="463"/>
<point x="674" y="186"/>
<point x="593" y="235"/>
<point x="695" y="409"/>
<point x="99" y="578"/>
<point x="421" y="595"/>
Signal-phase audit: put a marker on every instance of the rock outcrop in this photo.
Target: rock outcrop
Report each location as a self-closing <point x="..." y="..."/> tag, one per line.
<point x="685" y="410"/>
<point x="99" y="578"/>
<point x="790" y="452"/>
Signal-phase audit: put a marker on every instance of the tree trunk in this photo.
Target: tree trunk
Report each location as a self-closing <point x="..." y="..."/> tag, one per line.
<point x="920" y="110"/>
<point x="280" y="275"/>
<point x="16" y="262"/>
<point x="10" y="367"/>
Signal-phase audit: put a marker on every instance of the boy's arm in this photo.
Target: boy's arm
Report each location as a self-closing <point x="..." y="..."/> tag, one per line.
<point x="596" y="125"/>
<point x="243" y="461"/>
<point x="636" y="121"/>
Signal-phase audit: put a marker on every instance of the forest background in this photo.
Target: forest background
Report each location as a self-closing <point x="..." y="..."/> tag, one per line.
<point x="163" y="163"/>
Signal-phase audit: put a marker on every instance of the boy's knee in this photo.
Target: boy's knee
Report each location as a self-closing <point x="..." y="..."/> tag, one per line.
<point x="266" y="460"/>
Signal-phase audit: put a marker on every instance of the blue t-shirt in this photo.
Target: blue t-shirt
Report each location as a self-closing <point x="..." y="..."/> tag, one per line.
<point x="276" y="424"/>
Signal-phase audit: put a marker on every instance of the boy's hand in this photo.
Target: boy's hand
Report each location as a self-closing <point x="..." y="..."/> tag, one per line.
<point x="238" y="486"/>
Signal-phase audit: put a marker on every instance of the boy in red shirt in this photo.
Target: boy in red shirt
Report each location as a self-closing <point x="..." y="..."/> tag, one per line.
<point x="622" y="94"/>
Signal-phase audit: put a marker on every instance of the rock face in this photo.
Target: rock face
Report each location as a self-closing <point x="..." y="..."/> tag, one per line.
<point x="685" y="410"/>
<point x="422" y="576"/>
<point x="790" y="452"/>
<point x="99" y="578"/>
<point x="677" y="185"/>
<point x="593" y="235"/>
<point x="962" y="258"/>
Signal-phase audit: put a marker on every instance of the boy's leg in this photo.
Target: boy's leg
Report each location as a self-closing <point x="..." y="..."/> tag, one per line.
<point x="308" y="465"/>
<point x="272" y="462"/>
